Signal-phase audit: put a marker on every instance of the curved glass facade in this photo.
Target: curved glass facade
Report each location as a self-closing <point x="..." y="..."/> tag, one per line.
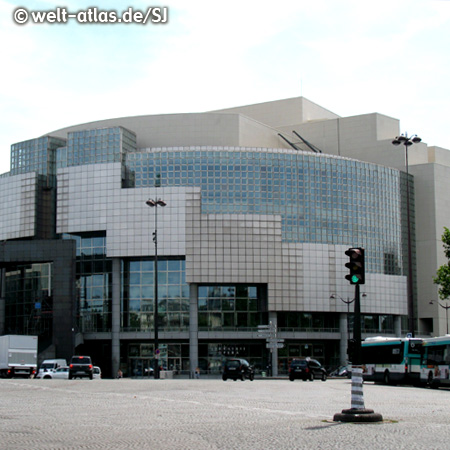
<point x="321" y="198"/>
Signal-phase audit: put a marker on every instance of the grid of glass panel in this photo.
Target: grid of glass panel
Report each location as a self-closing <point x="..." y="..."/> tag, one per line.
<point x="36" y="155"/>
<point x="96" y="146"/>
<point x="321" y="198"/>
<point x="305" y="321"/>
<point x="138" y="291"/>
<point x="138" y="358"/>
<point x="28" y="300"/>
<point x="94" y="283"/>
<point x="230" y="307"/>
<point x="212" y="356"/>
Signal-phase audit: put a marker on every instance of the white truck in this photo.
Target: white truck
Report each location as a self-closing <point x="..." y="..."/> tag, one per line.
<point x="18" y="355"/>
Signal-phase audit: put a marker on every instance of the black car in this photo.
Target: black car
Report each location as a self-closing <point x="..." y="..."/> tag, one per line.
<point x="81" y="366"/>
<point x="237" y="368"/>
<point x="306" y="369"/>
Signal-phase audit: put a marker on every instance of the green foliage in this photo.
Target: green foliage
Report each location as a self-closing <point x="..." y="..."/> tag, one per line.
<point x="446" y="242"/>
<point x="443" y="274"/>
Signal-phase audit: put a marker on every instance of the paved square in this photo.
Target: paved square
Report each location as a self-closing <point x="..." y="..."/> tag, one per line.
<point x="212" y="414"/>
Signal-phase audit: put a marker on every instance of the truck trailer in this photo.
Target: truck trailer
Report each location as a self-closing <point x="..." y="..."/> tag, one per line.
<point x="18" y="356"/>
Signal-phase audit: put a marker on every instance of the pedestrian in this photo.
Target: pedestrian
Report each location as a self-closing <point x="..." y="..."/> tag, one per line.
<point x="197" y="373"/>
<point x="119" y="374"/>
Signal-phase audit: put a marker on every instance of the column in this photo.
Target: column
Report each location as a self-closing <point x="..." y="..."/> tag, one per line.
<point x="273" y="318"/>
<point x="2" y="302"/>
<point x="343" y="328"/>
<point x="115" y="317"/>
<point x="397" y="326"/>
<point x="193" y="329"/>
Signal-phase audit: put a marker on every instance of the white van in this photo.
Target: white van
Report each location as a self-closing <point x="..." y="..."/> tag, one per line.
<point x="50" y="365"/>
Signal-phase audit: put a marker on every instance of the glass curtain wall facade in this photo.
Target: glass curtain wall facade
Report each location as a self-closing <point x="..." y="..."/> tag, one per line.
<point x="93" y="283"/>
<point x="321" y="198"/>
<point x="28" y="300"/>
<point x="96" y="146"/>
<point x="36" y="155"/>
<point x="137" y="304"/>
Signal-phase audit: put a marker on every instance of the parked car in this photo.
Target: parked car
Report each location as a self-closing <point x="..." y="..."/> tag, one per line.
<point x="96" y="373"/>
<point x="235" y="368"/>
<point x="50" y="365"/>
<point x="81" y="366"/>
<point x="61" y="373"/>
<point x="341" y="371"/>
<point x="306" y="369"/>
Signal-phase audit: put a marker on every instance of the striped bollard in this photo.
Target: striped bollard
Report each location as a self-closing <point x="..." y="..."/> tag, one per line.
<point x="357" y="413"/>
<point x="357" y="388"/>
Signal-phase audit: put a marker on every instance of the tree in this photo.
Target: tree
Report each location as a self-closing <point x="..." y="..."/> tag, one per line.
<point x="443" y="273"/>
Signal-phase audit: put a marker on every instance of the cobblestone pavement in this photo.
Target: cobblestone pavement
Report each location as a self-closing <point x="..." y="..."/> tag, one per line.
<point x="212" y="414"/>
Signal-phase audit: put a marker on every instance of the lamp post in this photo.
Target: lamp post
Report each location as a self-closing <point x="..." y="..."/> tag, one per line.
<point x="154" y="204"/>
<point x="407" y="142"/>
<point x="446" y="307"/>
<point x="348" y="302"/>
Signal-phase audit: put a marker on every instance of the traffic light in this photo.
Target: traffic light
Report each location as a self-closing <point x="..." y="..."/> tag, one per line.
<point x="356" y="265"/>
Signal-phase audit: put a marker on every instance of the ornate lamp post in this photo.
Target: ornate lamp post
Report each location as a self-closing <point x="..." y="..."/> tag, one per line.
<point x="407" y="142"/>
<point x="154" y="204"/>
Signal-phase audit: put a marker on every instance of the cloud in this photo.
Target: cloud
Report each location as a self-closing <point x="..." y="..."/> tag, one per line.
<point x="351" y="57"/>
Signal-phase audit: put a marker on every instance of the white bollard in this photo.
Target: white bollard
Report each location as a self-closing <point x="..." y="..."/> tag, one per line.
<point x="357" y="388"/>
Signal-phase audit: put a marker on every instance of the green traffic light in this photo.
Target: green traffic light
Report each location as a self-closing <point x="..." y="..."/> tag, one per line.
<point x="355" y="278"/>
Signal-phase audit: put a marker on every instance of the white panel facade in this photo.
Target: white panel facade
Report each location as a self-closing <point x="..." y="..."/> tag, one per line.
<point x="227" y="248"/>
<point x="18" y="206"/>
<point x="90" y="198"/>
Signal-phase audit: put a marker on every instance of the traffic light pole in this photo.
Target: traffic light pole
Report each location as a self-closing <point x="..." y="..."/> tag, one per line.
<point x="357" y="412"/>
<point x="357" y="328"/>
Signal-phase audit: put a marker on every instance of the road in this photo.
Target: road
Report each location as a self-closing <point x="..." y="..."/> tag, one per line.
<point x="212" y="414"/>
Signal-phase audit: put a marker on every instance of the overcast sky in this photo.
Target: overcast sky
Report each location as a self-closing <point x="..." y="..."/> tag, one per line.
<point x="349" y="56"/>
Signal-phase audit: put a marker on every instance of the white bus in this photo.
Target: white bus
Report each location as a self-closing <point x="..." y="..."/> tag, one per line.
<point x="434" y="370"/>
<point x="392" y="360"/>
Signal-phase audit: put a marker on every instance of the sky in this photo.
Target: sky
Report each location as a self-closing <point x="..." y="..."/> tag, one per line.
<point x="349" y="56"/>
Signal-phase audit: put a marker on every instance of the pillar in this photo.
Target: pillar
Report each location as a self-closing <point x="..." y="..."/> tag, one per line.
<point x="274" y="352"/>
<point x="2" y="302"/>
<point x="397" y="326"/>
<point x="193" y="328"/>
<point x="343" y="328"/>
<point x="115" y="317"/>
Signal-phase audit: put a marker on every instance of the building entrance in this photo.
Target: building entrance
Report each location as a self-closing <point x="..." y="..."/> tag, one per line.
<point x="141" y="367"/>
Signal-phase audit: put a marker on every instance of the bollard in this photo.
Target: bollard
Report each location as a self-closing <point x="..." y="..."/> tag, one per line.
<point x="357" y="412"/>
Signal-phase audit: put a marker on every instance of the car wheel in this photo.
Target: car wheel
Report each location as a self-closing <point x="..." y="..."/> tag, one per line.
<point x="224" y="378"/>
<point x="387" y="378"/>
<point x="291" y="378"/>
<point x="70" y="376"/>
<point x="324" y="377"/>
<point x="47" y="377"/>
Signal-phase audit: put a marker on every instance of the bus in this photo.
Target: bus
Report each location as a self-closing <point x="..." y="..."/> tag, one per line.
<point x="434" y="370"/>
<point x="392" y="360"/>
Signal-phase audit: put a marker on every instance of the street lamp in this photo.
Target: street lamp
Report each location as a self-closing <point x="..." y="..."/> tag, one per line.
<point x="348" y="302"/>
<point x="154" y="204"/>
<point x="407" y="142"/>
<point x="446" y="307"/>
